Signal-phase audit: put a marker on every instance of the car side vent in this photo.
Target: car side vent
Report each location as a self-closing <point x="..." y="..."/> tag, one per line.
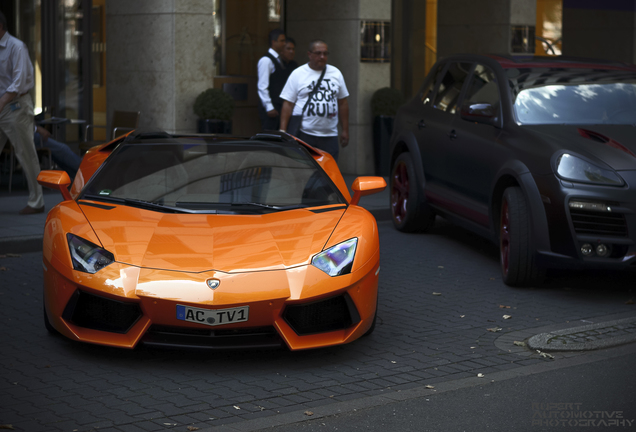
<point x="599" y="224"/>
<point x="593" y="135"/>
<point x="600" y="138"/>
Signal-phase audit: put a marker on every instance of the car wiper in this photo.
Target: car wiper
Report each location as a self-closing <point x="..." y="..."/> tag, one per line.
<point x="269" y="206"/>
<point x="148" y="205"/>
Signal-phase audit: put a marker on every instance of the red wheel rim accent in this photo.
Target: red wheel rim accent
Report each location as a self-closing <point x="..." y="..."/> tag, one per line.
<point x="504" y="238"/>
<point x="399" y="192"/>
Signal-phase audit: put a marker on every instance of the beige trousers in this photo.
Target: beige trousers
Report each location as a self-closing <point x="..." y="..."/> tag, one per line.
<point x="17" y="125"/>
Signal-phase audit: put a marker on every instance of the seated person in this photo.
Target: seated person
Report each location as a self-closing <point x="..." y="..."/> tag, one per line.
<point x="61" y="154"/>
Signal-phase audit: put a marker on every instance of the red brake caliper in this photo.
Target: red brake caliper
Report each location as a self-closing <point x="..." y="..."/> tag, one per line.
<point x="504" y="237"/>
<point x="400" y="192"/>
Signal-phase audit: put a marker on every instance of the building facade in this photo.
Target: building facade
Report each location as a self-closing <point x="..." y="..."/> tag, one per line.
<point x="93" y="57"/>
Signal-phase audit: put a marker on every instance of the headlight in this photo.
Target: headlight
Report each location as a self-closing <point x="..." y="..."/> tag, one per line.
<point x="579" y="170"/>
<point x="86" y="256"/>
<point x="338" y="259"/>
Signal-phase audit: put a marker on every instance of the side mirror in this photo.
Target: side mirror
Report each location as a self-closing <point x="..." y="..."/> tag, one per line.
<point x="480" y="113"/>
<point x="363" y="186"/>
<point x="56" y="180"/>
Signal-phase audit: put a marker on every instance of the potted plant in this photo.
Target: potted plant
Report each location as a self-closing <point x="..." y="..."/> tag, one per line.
<point x="384" y="105"/>
<point x="214" y="108"/>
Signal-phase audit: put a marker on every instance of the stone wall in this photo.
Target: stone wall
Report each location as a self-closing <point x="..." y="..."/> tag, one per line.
<point x="159" y="58"/>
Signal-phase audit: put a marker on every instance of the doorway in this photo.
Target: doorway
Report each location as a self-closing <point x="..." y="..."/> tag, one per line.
<point x="243" y="39"/>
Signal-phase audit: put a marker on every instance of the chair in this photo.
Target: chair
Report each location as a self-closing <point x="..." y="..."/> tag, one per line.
<point x="123" y="121"/>
<point x="9" y="153"/>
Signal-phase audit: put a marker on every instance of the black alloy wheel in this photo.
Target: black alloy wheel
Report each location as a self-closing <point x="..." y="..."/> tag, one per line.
<point x="409" y="212"/>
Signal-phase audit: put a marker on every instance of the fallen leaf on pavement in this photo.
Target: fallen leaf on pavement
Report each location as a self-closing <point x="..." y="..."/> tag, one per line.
<point x="480" y="375"/>
<point x="522" y="344"/>
<point x="12" y="255"/>
<point x="237" y="407"/>
<point x="440" y="266"/>
<point x="504" y="307"/>
<point x="462" y="316"/>
<point x="3" y="269"/>
<point x="429" y="386"/>
<point x="309" y="413"/>
<point x="495" y="329"/>
<point x="6" y="426"/>
<point x="435" y="293"/>
<point x="545" y="354"/>
<point x="192" y="428"/>
<point x="507" y="317"/>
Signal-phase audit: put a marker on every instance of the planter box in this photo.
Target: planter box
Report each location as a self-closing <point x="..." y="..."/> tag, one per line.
<point x="214" y="126"/>
<point x="382" y="130"/>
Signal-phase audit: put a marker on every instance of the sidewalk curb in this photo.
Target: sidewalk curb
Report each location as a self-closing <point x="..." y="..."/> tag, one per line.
<point x="22" y="244"/>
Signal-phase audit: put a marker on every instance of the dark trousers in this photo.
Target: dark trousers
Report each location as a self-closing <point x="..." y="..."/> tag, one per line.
<point x="327" y="143"/>
<point x="267" y="122"/>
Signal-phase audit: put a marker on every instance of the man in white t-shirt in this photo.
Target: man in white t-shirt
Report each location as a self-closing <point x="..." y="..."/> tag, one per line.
<point x="327" y="106"/>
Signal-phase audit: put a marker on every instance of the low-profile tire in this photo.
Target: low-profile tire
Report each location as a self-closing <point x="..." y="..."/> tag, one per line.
<point x="47" y="323"/>
<point x="408" y="210"/>
<point x="516" y="251"/>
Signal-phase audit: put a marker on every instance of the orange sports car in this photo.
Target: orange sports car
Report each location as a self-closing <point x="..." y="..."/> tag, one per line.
<point x="210" y="241"/>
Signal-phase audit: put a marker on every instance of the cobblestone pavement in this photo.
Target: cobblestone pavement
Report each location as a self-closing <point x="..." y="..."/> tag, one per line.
<point x="440" y="293"/>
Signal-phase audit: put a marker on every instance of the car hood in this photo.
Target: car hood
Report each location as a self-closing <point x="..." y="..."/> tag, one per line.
<point x="613" y="144"/>
<point x="203" y="242"/>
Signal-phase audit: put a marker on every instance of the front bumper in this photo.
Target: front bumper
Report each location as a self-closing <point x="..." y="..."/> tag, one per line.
<point x="571" y="228"/>
<point x="124" y="306"/>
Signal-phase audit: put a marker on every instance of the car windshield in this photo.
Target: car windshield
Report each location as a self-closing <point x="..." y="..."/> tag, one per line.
<point x="210" y="177"/>
<point x="582" y="98"/>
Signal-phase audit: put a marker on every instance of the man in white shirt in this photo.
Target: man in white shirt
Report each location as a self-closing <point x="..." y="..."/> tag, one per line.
<point x="328" y="104"/>
<point x="271" y="79"/>
<point x="16" y="112"/>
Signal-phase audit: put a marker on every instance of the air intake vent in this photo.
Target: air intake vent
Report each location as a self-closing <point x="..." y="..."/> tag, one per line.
<point x="599" y="224"/>
<point x="100" y="313"/>
<point x="215" y="339"/>
<point x="335" y="313"/>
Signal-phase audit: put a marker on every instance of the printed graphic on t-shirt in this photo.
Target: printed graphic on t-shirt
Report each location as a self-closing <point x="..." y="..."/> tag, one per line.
<point x="320" y="117"/>
<point x="324" y="103"/>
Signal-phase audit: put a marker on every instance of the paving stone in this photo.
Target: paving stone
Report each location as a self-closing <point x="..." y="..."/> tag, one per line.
<point x="131" y="428"/>
<point x="423" y="334"/>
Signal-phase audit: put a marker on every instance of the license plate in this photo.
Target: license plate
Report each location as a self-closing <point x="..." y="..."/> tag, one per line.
<point x="213" y="317"/>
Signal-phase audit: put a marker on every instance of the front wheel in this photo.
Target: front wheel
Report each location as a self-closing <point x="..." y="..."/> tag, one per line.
<point x="517" y="257"/>
<point x="409" y="211"/>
